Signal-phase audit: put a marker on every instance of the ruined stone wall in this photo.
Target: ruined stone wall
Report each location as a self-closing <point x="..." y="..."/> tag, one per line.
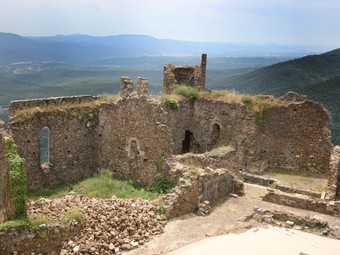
<point x="303" y="202"/>
<point x="193" y="76"/>
<point x="214" y="124"/>
<point x="295" y="135"/>
<point x="72" y="141"/>
<point x="292" y="135"/>
<point x="19" y="105"/>
<point x="130" y="136"/>
<point x="196" y="185"/>
<point x="134" y="137"/>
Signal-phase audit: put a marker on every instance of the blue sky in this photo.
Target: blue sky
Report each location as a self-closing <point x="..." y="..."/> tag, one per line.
<point x="306" y="22"/>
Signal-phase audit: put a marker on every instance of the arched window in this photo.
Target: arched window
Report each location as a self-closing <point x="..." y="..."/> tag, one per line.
<point x="44" y="145"/>
<point x="215" y="133"/>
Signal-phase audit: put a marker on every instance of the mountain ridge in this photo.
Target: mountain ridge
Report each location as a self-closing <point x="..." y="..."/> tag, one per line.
<point x="76" y="48"/>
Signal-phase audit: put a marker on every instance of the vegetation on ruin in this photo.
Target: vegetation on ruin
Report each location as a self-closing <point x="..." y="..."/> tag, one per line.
<point x="159" y="162"/>
<point x="75" y="214"/>
<point x="171" y="102"/>
<point x="162" y="185"/>
<point x="197" y="170"/>
<point x="186" y="91"/>
<point x="101" y="185"/>
<point x="16" y="224"/>
<point x="111" y="98"/>
<point x="220" y="150"/>
<point x="17" y="172"/>
<point x="74" y="110"/>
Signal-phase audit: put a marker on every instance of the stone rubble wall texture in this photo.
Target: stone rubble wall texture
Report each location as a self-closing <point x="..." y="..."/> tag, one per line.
<point x="126" y="87"/>
<point x="19" y="105"/>
<point x="333" y="188"/>
<point x="72" y="140"/>
<point x="295" y="136"/>
<point x="142" y="86"/>
<point x="134" y="136"/>
<point x="193" y="76"/>
<point x="195" y="186"/>
<point x="130" y="136"/>
<point x="303" y="202"/>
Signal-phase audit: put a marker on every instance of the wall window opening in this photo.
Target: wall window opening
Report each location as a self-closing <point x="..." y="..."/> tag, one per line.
<point x="44" y="144"/>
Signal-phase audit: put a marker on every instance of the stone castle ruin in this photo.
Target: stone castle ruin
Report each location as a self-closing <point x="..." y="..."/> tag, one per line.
<point x="140" y="137"/>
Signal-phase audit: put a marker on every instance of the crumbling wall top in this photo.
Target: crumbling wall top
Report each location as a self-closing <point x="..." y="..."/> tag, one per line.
<point x="193" y="76"/>
<point x="19" y="105"/>
<point x="293" y="97"/>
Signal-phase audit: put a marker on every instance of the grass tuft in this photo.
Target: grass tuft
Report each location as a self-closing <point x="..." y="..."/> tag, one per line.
<point x="102" y="186"/>
<point x="186" y="91"/>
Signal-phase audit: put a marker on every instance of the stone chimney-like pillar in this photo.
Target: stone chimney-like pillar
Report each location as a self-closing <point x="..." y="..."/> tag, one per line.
<point x="203" y="70"/>
<point x="142" y="86"/>
<point x="126" y="87"/>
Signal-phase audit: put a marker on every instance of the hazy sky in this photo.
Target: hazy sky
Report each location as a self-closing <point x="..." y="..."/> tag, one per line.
<point x="309" y="22"/>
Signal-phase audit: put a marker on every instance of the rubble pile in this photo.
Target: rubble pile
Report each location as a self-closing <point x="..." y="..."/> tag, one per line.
<point x="110" y="226"/>
<point x="204" y="208"/>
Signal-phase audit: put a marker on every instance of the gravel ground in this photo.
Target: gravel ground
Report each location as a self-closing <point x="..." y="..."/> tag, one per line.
<point x="225" y="218"/>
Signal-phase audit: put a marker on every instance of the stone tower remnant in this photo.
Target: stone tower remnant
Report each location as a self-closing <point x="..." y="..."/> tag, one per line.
<point x="193" y="76"/>
<point x="142" y="86"/>
<point x="126" y="87"/>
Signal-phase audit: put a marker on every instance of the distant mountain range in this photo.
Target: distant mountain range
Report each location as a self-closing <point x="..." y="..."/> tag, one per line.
<point x="84" y="48"/>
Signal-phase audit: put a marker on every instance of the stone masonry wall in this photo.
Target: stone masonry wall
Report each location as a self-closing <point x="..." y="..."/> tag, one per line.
<point x="295" y="135"/>
<point x="134" y="137"/>
<point x="19" y="105"/>
<point x="130" y="136"/>
<point x="193" y="76"/>
<point x="196" y="185"/>
<point x="72" y="143"/>
<point x="303" y="202"/>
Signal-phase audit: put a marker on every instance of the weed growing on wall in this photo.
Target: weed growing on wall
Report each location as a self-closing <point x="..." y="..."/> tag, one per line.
<point x="160" y="162"/>
<point x="17" y="172"/>
<point x="172" y="103"/>
<point x="186" y="91"/>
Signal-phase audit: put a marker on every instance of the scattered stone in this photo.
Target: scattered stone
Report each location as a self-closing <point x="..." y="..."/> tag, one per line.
<point x="204" y="208"/>
<point x="290" y="223"/>
<point x="76" y="249"/>
<point x="107" y="225"/>
<point x="233" y="195"/>
<point x="261" y="211"/>
<point x="326" y="231"/>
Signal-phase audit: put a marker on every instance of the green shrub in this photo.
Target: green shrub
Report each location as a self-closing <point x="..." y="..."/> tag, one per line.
<point x="186" y="91"/>
<point x="160" y="162"/>
<point x="172" y="103"/>
<point x="17" y="172"/>
<point x="162" y="184"/>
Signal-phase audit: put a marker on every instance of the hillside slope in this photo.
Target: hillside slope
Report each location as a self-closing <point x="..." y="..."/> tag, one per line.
<point x="290" y="75"/>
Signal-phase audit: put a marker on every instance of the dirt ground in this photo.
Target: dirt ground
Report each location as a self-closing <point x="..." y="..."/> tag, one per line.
<point x="224" y="218"/>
